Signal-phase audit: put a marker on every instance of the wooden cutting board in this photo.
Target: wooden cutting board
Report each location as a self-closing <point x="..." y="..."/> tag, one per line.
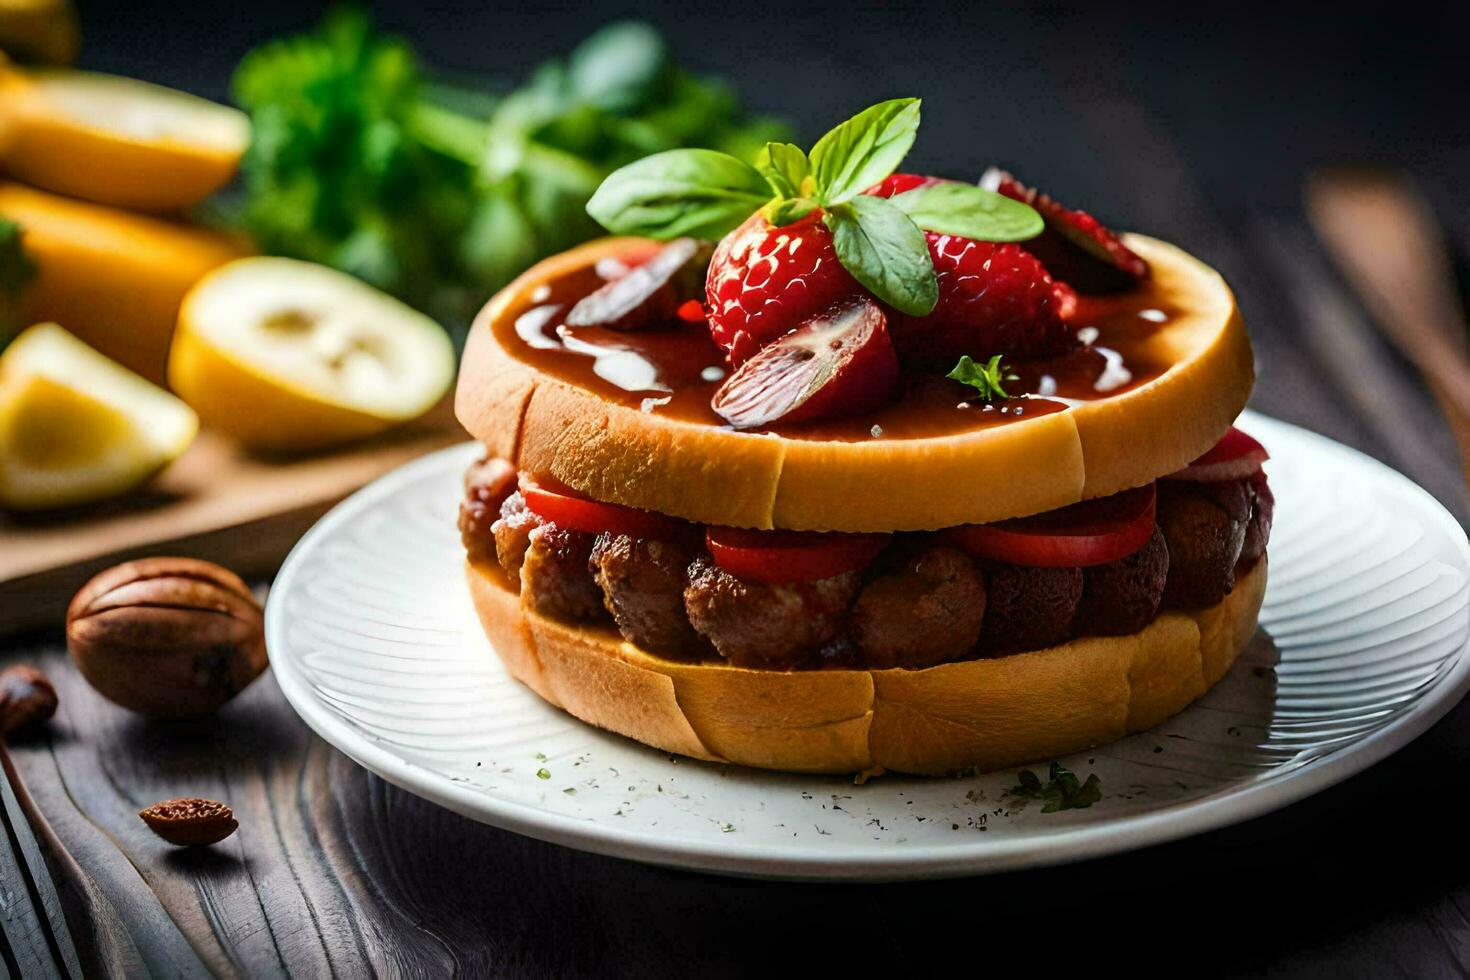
<point x="216" y="502"/>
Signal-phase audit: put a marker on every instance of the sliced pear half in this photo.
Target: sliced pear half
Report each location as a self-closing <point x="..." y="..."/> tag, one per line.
<point x="288" y="356"/>
<point x="116" y="140"/>
<point x="77" y="428"/>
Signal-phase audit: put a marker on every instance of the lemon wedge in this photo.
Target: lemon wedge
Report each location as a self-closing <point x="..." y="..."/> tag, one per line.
<point x="117" y="141"/>
<point x="114" y="278"/>
<point x="288" y="356"/>
<point x="76" y="427"/>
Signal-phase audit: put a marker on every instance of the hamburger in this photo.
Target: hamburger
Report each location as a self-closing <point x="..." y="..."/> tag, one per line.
<point x="825" y="467"/>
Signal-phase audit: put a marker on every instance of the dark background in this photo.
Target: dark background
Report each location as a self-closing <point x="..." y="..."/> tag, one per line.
<point x="1193" y="122"/>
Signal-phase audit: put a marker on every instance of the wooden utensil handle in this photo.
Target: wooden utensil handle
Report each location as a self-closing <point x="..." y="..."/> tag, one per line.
<point x="1385" y="239"/>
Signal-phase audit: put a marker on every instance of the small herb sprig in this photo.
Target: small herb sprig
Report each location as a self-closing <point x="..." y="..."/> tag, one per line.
<point x="706" y="194"/>
<point x="1062" y="790"/>
<point x="988" y="379"/>
<point x="16" y="270"/>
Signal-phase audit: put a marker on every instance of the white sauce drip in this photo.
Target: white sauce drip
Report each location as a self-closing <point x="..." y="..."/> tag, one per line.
<point x="1114" y="373"/>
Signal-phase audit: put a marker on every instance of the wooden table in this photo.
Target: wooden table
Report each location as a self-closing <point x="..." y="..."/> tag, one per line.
<point x="1197" y="134"/>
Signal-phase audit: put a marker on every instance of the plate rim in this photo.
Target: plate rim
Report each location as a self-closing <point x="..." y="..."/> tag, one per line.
<point x="1230" y="805"/>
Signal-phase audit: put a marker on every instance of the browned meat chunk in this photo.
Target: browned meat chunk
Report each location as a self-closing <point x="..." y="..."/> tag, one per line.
<point x="1028" y="608"/>
<point x="926" y="609"/>
<point x="1231" y="496"/>
<point x="642" y="582"/>
<point x="753" y="624"/>
<point x="512" y="532"/>
<point x="1204" y="539"/>
<point x="1122" y="596"/>
<point x="555" y="579"/>
<point x="1258" y="532"/>
<point x="486" y="485"/>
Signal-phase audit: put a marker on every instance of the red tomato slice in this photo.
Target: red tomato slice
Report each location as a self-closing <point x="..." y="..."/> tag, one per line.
<point x="1234" y="457"/>
<point x="777" y="557"/>
<point x="1093" y="532"/>
<point x="593" y="516"/>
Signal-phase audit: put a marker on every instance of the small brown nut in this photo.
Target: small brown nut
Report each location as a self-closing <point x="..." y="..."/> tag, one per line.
<point x="26" y="697"/>
<point x="190" y="822"/>
<point x="167" y="637"/>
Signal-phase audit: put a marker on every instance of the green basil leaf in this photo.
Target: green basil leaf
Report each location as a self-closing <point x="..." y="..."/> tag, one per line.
<point x="782" y="211"/>
<point x="785" y="167"/>
<point x="698" y="193"/>
<point x="886" y="252"/>
<point x="862" y="151"/>
<point x="969" y="211"/>
<point x="618" y="67"/>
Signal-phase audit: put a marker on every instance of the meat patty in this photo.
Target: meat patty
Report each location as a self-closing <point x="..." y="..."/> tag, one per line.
<point x="512" y="534"/>
<point x="1258" y="532"/>
<point x="487" y="483"/>
<point x="925" y="609"/>
<point x="1204" y="528"/>
<point x="555" y="579"/>
<point x="1123" y="596"/>
<point x="1028" y="608"/>
<point x="642" y="582"/>
<point x="753" y="624"/>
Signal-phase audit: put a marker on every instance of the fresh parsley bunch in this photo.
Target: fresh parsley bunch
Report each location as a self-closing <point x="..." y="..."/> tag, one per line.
<point x="880" y="241"/>
<point x="442" y="194"/>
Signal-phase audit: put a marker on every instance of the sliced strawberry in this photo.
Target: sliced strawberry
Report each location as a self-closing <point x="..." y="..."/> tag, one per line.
<point x="1236" y="456"/>
<point x="993" y="299"/>
<point x="1075" y="247"/>
<point x="648" y="295"/>
<point x="763" y="281"/>
<point x="839" y="362"/>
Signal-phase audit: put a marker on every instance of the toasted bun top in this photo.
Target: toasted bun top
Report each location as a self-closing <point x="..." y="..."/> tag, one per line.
<point x="715" y="475"/>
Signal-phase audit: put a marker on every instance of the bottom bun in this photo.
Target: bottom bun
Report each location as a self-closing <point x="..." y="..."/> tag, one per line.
<point x="974" y="715"/>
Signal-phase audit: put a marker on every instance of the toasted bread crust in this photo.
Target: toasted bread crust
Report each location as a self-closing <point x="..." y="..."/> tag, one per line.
<point x="715" y="475"/>
<point x="974" y="714"/>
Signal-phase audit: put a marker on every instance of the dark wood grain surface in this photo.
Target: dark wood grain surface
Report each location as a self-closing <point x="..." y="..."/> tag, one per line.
<point x="1200" y="132"/>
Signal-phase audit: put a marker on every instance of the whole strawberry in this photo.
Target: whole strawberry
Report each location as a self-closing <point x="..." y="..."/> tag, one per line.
<point x="765" y="280"/>
<point x="996" y="298"/>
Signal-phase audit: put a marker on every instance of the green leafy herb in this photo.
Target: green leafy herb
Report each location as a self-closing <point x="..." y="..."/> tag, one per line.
<point x="969" y="211"/>
<point x="785" y="167"/>
<point x="858" y="153"/>
<point x="880" y="241"/>
<point x="442" y="194"/>
<point x="885" y="251"/>
<point x="988" y="378"/>
<point x="684" y="193"/>
<point x="1062" y="790"/>
<point x="699" y="193"/>
<point x="618" y="69"/>
<point x="543" y="773"/>
<point x="16" y="270"/>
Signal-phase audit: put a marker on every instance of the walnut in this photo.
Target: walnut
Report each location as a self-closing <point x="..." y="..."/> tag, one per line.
<point x="167" y="637"/>
<point x="190" y="822"/>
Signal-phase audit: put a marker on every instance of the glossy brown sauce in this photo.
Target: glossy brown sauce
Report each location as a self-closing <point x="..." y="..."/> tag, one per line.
<point x="674" y="372"/>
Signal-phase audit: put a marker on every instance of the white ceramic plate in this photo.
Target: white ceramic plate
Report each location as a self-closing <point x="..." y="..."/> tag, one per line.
<point x="1363" y="647"/>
